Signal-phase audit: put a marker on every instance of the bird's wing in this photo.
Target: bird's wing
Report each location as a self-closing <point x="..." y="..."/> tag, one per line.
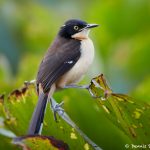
<point x="59" y="59"/>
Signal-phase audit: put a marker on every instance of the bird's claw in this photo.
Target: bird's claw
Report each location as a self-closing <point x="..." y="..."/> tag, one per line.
<point x="57" y="108"/>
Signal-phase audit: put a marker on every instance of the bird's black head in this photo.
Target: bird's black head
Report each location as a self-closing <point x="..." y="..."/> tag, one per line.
<point x="73" y="26"/>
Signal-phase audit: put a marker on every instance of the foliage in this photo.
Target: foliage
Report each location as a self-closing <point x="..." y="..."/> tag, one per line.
<point x="124" y="118"/>
<point x="122" y="53"/>
<point x="124" y="111"/>
<point x="16" y="111"/>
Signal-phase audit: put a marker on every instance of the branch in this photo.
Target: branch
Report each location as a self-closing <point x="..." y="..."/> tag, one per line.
<point x="66" y="118"/>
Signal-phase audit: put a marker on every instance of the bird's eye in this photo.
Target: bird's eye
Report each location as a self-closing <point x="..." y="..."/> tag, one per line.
<point x="76" y="27"/>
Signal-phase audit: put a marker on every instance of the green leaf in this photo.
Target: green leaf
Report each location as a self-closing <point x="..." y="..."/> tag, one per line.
<point x="107" y="117"/>
<point x="131" y="117"/>
<point x="16" y="110"/>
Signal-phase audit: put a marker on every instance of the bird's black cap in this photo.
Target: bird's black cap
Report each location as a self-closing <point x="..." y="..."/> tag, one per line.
<point x="74" y="26"/>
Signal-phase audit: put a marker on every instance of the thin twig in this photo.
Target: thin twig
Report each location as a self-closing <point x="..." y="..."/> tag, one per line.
<point x="66" y="118"/>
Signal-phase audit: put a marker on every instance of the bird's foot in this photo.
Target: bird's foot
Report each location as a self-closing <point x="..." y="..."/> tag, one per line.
<point x="57" y="108"/>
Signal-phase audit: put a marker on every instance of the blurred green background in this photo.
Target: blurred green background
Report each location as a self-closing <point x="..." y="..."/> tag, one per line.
<point x="122" y="42"/>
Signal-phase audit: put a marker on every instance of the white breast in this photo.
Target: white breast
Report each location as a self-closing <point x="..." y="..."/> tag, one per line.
<point x="82" y="65"/>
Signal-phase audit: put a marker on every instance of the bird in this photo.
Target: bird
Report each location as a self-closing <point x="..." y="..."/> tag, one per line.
<point x="65" y="63"/>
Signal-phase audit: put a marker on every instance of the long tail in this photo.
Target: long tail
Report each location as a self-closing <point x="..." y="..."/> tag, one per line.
<point x="38" y="115"/>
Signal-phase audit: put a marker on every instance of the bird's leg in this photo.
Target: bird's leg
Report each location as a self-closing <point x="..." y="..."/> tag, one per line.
<point x="77" y="86"/>
<point x="87" y="87"/>
<point x="56" y="107"/>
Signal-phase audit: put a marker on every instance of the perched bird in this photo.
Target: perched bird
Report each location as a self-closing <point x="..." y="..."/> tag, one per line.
<point x="65" y="63"/>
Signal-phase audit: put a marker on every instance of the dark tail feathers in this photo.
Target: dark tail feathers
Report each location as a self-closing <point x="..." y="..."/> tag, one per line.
<point x="38" y="115"/>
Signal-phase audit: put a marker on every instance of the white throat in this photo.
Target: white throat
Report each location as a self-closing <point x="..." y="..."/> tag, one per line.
<point x="81" y="35"/>
<point x="85" y="32"/>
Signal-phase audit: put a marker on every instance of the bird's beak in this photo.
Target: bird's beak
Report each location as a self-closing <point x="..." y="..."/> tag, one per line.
<point x="91" y="26"/>
<point x="88" y="26"/>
